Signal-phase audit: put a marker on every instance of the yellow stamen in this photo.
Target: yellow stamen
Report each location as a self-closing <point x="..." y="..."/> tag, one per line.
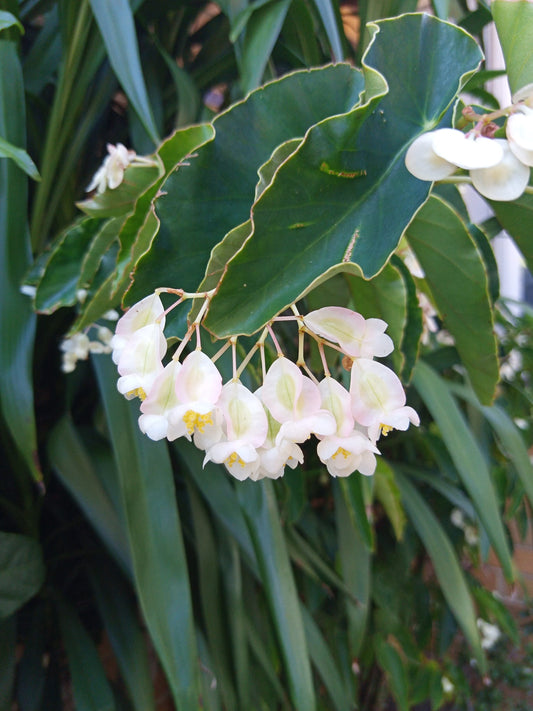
<point x="342" y="451"/>
<point x="385" y="429"/>
<point x="194" y="420"/>
<point x="233" y="458"/>
<point x="138" y="392"/>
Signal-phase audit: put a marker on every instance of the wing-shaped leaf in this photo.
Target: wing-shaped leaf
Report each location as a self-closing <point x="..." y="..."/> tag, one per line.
<point x="466" y="455"/>
<point x="458" y="280"/>
<point x="203" y="201"/>
<point x="351" y="213"/>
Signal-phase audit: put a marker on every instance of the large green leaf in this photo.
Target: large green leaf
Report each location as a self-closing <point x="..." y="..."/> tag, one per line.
<point x="160" y="567"/>
<point x="352" y="212"/>
<point x="21" y="571"/>
<point x="508" y="435"/>
<point x="122" y="624"/>
<point x="17" y="325"/>
<point x="456" y="275"/>
<point x="76" y="469"/>
<point x="90" y="687"/>
<point x="514" y="24"/>
<point x="517" y="218"/>
<point x="466" y="455"/>
<point x="445" y="562"/>
<point x="262" y="516"/>
<point x="115" y="21"/>
<point x="203" y="201"/>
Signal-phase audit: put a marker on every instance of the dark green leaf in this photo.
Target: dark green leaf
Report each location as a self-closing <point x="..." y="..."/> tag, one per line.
<point x="350" y="216"/>
<point x="21" y="571"/>
<point x="456" y="275"/>
<point x="446" y="565"/>
<point x="466" y="455"/>
<point x="17" y="325"/>
<point x="90" y="687"/>
<point x="260" y="509"/>
<point x="160" y="567"/>
<point x="21" y="158"/>
<point x="115" y="21"/>
<point x="390" y="660"/>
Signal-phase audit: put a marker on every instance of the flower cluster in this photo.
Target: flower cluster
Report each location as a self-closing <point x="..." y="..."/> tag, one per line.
<point x="499" y="168"/>
<point x="111" y="173"/>
<point x="256" y="434"/>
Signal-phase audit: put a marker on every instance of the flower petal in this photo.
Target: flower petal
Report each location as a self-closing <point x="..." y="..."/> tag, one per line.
<point x="422" y="161"/>
<point x="465" y="151"/>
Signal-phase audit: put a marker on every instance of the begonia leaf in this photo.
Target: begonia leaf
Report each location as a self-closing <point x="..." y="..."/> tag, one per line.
<point x="336" y="203"/>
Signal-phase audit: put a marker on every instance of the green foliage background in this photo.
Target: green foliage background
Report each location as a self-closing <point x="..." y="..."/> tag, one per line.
<point x="305" y="593"/>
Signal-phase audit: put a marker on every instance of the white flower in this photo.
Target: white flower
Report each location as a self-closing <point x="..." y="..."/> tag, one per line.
<point x="504" y="181"/>
<point x="457" y="517"/>
<point x="519" y="130"/>
<point x="148" y="311"/>
<point x="198" y="387"/>
<point x="276" y="453"/>
<point x="140" y="363"/>
<point x="160" y="403"/>
<point x="111" y="172"/>
<point x="348" y="449"/>
<point x="422" y="161"/>
<point x="378" y="399"/>
<point x="466" y="151"/>
<point x="294" y="401"/>
<point x="490" y="634"/>
<point x="246" y="430"/>
<point x="358" y="337"/>
<point x="447" y="685"/>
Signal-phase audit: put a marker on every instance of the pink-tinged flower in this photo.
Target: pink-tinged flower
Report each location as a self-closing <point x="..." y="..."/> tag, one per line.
<point x="111" y="172"/>
<point x="506" y="180"/>
<point x="347" y="450"/>
<point x="519" y="131"/>
<point x="378" y="399"/>
<point x="276" y="454"/>
<point x="246" y="430"/>
<point x="140" y="363"/>
<point x="146" y="312"/>
<point x="159" y="404"/>
<point x="358" y="337"/>
<point x="198" y="387"/>
<point x="294" y="401"/>
<point x="345" y="455"/>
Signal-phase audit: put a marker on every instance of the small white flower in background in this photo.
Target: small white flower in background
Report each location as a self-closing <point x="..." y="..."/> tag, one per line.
<point x="358" y="337"/>
<point x="490" y="634"/>
<point x="78" y="346"/>
<point x="512" y="365"/>
<point x="111" y="172"/>
<point x="447" y="685"/>
<point x="429" y="314"/>
<point x="457" y="517"/>
<point x="471" y="535"/>
<point x="28" y="290"/>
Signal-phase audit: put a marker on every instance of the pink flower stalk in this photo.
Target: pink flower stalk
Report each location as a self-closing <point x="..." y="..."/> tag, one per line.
<point x="358" y="337"/>
<point x="378" y="399"/>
